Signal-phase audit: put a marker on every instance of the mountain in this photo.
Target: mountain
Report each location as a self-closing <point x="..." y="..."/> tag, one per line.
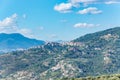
<point x="90" y="55"/>
<point x="17" y="41"/>
<point x="94" y="36"/>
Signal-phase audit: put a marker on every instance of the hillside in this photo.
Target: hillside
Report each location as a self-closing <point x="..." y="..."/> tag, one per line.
<point x="90" y="55"/>
<point x="9" y="42"/>
<point x="103" y="77"/>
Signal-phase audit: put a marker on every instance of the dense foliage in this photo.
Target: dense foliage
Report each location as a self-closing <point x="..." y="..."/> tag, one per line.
<point x="103" y="77"/>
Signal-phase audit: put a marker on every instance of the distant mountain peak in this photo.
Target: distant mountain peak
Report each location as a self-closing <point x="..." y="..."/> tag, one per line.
<point x="17" y="40"/>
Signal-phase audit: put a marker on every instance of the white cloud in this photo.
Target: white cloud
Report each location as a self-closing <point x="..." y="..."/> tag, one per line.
<point x="9" y="21"/>
<point x="63" y="7"/>
<point x="90" y="10"/>
<point x="93" y="1"/>
<point x="82" y="25"/>
<point x="67" y="7"/>
<point x="112" y="2"/>
<point x="9" y="25"/>
<point x="70" y="5"/>
<point x="84" y="2"/>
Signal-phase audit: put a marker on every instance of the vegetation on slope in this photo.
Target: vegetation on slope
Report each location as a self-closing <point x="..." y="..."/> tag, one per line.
<point x="92" y="57"/>
<point x="103" y="77"/>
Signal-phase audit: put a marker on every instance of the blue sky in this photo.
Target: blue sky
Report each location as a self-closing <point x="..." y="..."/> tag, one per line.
<point x="53" y="20"/>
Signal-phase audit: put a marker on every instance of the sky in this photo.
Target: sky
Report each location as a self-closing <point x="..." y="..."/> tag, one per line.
<point x="53" y="20"/>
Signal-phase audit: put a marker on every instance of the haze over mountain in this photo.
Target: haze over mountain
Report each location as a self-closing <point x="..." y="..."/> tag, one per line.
<point x="17" y="41"/>
<point x="90" y="55"/>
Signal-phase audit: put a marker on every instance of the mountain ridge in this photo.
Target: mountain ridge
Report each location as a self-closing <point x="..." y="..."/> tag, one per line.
<point x="15" y="41"/>
<point x="111" y="30"/>
<point x="55" y="60"/>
